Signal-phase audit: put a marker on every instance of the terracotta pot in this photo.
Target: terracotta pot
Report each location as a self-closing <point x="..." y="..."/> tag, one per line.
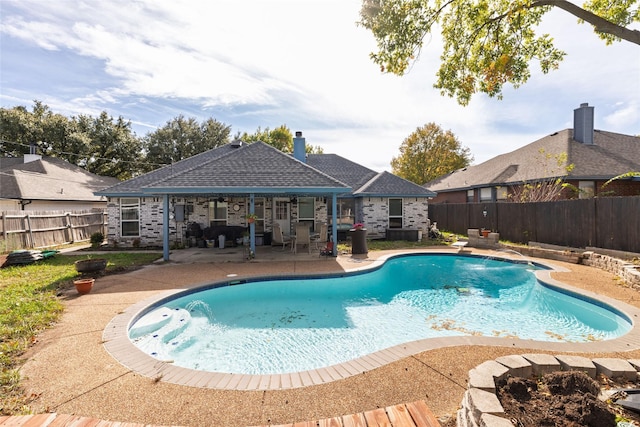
<point x="90" y="265"/>
<point x="83" y="286"/>
<point x="485" y="233"/>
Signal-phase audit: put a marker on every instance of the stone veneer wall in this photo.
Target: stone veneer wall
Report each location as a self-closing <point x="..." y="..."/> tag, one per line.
<point x="480" y="405"/>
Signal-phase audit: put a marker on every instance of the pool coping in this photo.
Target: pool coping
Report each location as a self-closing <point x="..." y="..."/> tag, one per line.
<point x="117" y="343"/>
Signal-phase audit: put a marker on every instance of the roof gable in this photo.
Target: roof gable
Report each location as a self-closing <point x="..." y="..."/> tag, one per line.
<point x="388" y="184"/>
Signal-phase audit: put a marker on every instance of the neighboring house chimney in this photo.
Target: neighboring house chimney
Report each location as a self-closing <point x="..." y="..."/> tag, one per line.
<point x="32" y="156"/>
<point x="299" y="147"/>
<point x="583" y="124"/>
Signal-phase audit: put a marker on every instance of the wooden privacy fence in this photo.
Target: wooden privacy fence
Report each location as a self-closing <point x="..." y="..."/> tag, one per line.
<point x="41" y="229"/>
<point x="609" y="222"/>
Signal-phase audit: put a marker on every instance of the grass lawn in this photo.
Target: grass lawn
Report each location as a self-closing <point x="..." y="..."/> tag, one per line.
<point x="29" y="303"/>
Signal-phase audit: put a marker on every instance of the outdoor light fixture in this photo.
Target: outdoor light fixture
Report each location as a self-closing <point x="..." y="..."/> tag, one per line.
<point x="484" y="212"/>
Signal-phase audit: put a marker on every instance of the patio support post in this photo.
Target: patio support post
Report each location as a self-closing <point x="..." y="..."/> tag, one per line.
<point x="334" y="221"/>
<point x="252" y="225"/>
<point x="165" y="227"/>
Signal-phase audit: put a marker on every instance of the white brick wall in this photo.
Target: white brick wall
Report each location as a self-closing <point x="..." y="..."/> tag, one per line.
<point x="373" y="212"/>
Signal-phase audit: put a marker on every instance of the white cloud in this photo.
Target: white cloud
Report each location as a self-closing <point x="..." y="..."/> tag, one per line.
<point x="306" y="64"/>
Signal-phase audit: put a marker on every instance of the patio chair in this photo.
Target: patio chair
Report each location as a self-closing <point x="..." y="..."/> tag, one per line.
<point x="279" y="238"/>
<point x="303" y="237"/>
<point x="321" y="239"/>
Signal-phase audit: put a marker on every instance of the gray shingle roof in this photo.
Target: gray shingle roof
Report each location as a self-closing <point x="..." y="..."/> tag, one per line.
<point x="611" y="154"/>
<point x="255" y="167"/>
<point x="351" y="173"/>
<point x="49" y="178"/>
<point x="388" y="184"/>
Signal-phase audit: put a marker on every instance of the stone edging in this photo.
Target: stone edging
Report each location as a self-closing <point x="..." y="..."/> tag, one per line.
<point x="480" y="404"/>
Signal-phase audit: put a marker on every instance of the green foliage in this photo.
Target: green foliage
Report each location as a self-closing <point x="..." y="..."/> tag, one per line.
<point x="429" y="153"/>
<point x="486" y="44"/>
<point x="181" y="138"/>
<point x="280" y="138"/>
<point x="100" y="145"/>
<point x="96" y="239"/>
<point x="29" y="304"/>
<point x="622" y="176"/>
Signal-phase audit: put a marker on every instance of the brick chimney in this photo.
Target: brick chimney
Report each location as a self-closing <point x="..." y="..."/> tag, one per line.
<point x="299" y="147"/>
<point x="583" y="124"/>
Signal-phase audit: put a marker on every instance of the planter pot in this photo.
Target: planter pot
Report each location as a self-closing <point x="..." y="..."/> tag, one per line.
<point x="485" y="233"/>
<point x="83" y="286"/>
<point x="90" y="265"/>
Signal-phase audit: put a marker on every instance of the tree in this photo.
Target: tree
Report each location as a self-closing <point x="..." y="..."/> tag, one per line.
<point x="550" y="187"/>
<point x="111" y="149"/>
<point x="181" y="138"/>
<point x="280" y="138"/>
<point x="100" y="145"/>
<point x="429" y="153"/>
<point x="485" y="44"/>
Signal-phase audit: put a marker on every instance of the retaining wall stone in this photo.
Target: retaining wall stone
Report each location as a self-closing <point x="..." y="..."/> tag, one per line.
<point x="481" y="408"/>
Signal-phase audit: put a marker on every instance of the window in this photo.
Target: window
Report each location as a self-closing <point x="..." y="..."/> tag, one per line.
<point x="345" y="213"/>
<point x="306" y="211"/>
<point x="395" y="213"/>
<point x="217" y="213"/>
<point x="486" y="194"/>
<point x="470" y="196"/>
<point x="130" y="217"/>
<point x="587" y="189"/>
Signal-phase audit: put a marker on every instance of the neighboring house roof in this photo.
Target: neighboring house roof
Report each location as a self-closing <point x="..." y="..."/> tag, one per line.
<point x="233" y="169"/>
<point x="611" y="154"/>
<point x="49" y="178"/>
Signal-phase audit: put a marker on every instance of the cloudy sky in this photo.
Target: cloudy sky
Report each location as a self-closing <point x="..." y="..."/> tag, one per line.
<point x="305" y="64"/>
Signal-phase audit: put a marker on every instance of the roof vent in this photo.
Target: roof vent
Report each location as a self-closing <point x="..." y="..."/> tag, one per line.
<point x="236" y="143"/>
<point x="583" y="124"/>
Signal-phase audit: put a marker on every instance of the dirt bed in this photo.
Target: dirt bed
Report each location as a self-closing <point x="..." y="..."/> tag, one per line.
<point x="563" y="399"/>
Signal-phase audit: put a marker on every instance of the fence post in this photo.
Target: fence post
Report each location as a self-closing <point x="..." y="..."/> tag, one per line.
<point x="31" y="240"/>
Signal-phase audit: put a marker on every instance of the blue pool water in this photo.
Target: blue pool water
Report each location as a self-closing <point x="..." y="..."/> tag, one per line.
<point x="295" y="324"/>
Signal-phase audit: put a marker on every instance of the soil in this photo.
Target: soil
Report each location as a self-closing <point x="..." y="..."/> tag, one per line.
<point x="563" y="399"/>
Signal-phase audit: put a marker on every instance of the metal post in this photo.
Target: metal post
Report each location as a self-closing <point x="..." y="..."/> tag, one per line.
<point x="252" y="226"/>
<point x="165" y="227"/>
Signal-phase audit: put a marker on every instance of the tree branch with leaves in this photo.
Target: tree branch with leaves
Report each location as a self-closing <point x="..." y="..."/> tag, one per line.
<point x="486" y="43"/>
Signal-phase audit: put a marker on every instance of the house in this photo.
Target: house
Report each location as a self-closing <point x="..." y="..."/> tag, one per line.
<point x="217" y="189"/>
<point x="34" y="182"/>
<point x="583" y="157"/>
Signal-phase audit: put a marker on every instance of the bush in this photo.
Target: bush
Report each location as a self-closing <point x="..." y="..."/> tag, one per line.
<point x="97" y="239"/>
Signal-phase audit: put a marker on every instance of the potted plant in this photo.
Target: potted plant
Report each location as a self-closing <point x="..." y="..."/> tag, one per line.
<point x="90" y="265"/>
<point x="251" y="218"/>
<point x="84" y="285"/>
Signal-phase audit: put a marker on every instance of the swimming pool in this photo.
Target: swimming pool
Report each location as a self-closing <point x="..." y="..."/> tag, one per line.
<point x="293" y="324"/>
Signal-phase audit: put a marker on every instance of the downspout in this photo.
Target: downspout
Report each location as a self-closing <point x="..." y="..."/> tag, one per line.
<point x="334" y="221"/>
<point x="165" y="227"/>
<point x="252" y="225"/>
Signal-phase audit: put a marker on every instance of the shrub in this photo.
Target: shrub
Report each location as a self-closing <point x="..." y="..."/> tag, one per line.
<point x="97" y="239"/>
